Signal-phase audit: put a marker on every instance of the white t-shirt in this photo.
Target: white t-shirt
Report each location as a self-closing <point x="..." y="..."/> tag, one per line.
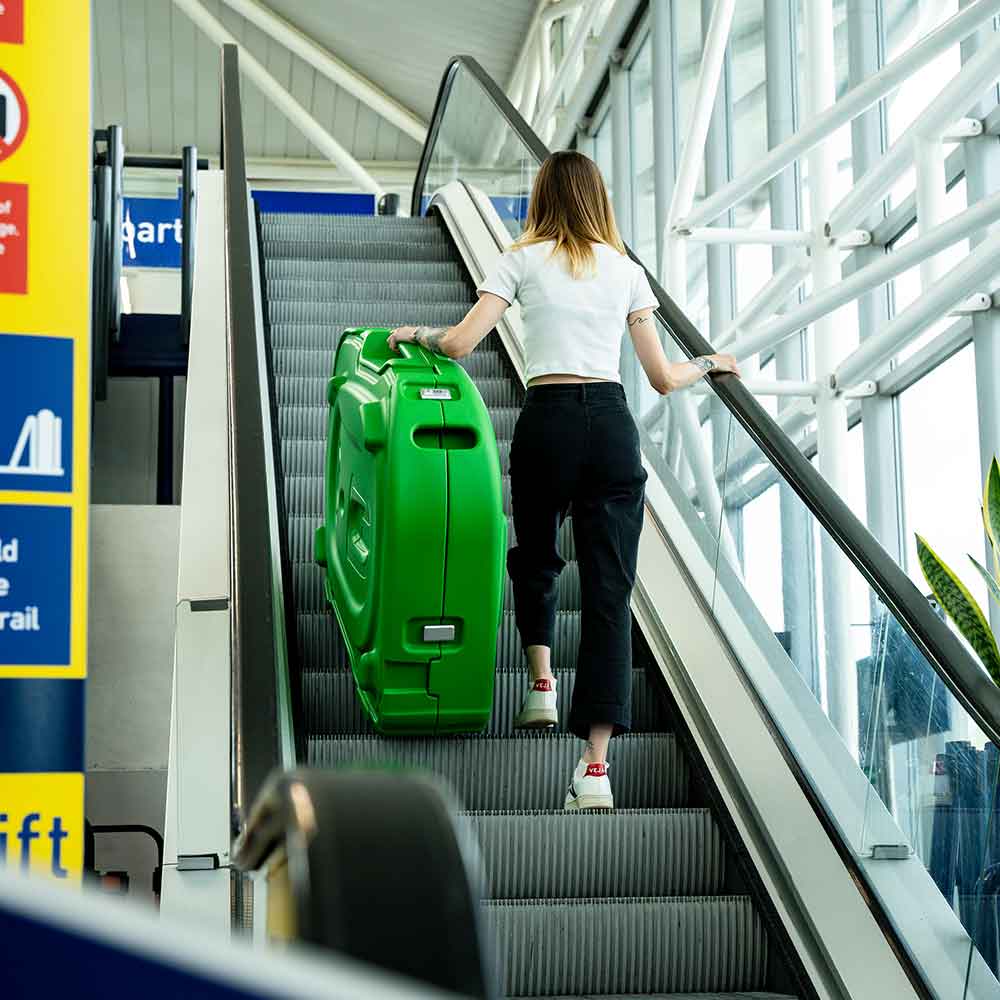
<point x="572" y="326"/>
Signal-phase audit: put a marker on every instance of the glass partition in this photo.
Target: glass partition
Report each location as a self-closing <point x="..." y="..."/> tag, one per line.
<point x="900" y="768"/>
<point x="926" y="775"/>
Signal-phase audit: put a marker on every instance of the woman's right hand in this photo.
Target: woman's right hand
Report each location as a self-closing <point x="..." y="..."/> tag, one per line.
<point x="724" y="363"/>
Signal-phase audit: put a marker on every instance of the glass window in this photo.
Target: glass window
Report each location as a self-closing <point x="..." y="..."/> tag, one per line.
<point x="941" y="475"/>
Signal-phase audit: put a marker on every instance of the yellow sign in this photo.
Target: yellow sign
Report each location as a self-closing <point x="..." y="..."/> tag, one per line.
<point x="41" y="824"/>
<point x="45" y="399"/>
<point x="45" y="153"/>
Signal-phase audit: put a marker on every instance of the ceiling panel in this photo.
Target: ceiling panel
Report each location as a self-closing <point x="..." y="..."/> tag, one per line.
<point x="158" y="75"/>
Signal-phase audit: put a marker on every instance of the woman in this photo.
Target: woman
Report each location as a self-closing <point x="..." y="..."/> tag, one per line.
<point x="575" y="444"/>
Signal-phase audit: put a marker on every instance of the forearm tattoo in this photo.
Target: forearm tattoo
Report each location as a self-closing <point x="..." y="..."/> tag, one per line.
<point x="430" y="337"/>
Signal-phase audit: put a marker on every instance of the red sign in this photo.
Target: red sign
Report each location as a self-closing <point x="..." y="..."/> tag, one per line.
<point x="14" y="238"/>
<point x="12" y="21"/>
<point x="13" y="115"/>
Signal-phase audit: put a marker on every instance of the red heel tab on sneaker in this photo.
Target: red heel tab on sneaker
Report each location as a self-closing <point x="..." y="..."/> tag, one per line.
<point x="543" y="685"/>
<point x="596" y="771"/>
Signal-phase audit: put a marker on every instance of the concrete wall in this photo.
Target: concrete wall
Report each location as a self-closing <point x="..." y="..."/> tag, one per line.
<point x="133" y="592"/>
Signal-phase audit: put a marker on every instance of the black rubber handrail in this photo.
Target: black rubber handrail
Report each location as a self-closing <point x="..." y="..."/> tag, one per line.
<point x="255" y="751"/>
<point x="380" y="867"/>
<point x="962" y="674"/>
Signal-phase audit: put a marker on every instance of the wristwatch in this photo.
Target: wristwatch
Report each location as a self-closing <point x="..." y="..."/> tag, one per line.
<point x="705" y="364"/>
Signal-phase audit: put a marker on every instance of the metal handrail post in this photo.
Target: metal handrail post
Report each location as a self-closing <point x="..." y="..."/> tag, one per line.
<point x="189" y="222"/>
<point x="116" y="161"/>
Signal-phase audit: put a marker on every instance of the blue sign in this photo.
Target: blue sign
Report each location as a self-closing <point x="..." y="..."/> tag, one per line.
<point x="35" y="563"/>
<point x="151" y="232"/>
<point x="315" y="202"/>
<point x="36" y="413"/>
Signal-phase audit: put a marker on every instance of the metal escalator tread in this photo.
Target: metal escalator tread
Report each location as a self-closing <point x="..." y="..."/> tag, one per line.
<point x="628" y="903"/>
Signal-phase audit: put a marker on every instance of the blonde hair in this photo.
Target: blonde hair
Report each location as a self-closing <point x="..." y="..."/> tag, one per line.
<point x="570" y="205"/>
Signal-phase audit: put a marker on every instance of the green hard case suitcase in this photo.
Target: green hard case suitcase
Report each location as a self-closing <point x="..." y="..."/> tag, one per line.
<point x="415" y="537"/>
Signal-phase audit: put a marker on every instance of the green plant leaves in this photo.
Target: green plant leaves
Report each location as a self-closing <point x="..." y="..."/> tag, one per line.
<point x="961" y="606"/>
<point x="991" y="507"/>
<point x="991" y="580"/>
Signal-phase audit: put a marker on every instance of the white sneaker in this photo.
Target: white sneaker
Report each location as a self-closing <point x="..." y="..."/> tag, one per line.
<point x="538" y="711"/>
<point x="590" y="788"/>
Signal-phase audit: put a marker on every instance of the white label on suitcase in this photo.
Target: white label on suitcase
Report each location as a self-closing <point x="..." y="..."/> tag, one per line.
<point x="435" y="393"/>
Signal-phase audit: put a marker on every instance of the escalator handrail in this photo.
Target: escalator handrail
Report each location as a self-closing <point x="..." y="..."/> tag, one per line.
<point x="255" y="746"/>
<point x="962" y="674"/>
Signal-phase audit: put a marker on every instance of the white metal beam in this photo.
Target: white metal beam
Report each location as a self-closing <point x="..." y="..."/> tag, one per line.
<point x="768" y="387"/>
<point x="853" y="103"/>
<point x="281" y="99"/>
<point x="957" y="96"/>
<point x="974" y="271"/>
<point x="784" y="281"/>
<point x="334" y="69"/>
<point x="958" y="227"/>
<point x="724" y="234"/>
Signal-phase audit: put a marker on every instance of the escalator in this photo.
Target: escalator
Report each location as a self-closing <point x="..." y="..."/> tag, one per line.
<point x="765" y="843"/>
<point x="641" y="900"/>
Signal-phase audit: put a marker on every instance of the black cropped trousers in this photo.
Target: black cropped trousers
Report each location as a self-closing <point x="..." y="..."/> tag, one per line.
<point x="576" y="451"/>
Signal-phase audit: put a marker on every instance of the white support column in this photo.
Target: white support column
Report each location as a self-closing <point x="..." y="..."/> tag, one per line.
<point x="621" y="196"/>
<point x="721" y="261"/>
<point x="665" y="118"/>
<point x="982" y="176"/>
<point x="330" y="66"/>
<point x="798" y="551"/>
<point x="928" y="159"/>
<point x="831" y="410"/>
<point x="281" y="99"/>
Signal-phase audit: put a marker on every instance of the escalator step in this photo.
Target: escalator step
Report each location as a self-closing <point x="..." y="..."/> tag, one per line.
<point x="351" y="312"/>
<point x="305" y="245"/>
<point x="755" y="995"/>
<point x="648" y="945"/>
<point x="412" y="271"/>
<point x="302" y="528"/>
<point x="369" y="291"/>
<point x="319" y="639"/>
<point x="668" y="852"/>
<point x="297" y="361"/>
<point x="524" y="772"/>
<point x="351" y="228"/>
<point x="566" y="641"/>
<point x="332" y="707"/>
<point x="310" y="598"/>
<point x="304" y="495"/>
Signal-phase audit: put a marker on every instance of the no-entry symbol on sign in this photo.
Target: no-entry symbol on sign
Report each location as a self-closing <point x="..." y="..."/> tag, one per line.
<point x="13" y="116"/>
